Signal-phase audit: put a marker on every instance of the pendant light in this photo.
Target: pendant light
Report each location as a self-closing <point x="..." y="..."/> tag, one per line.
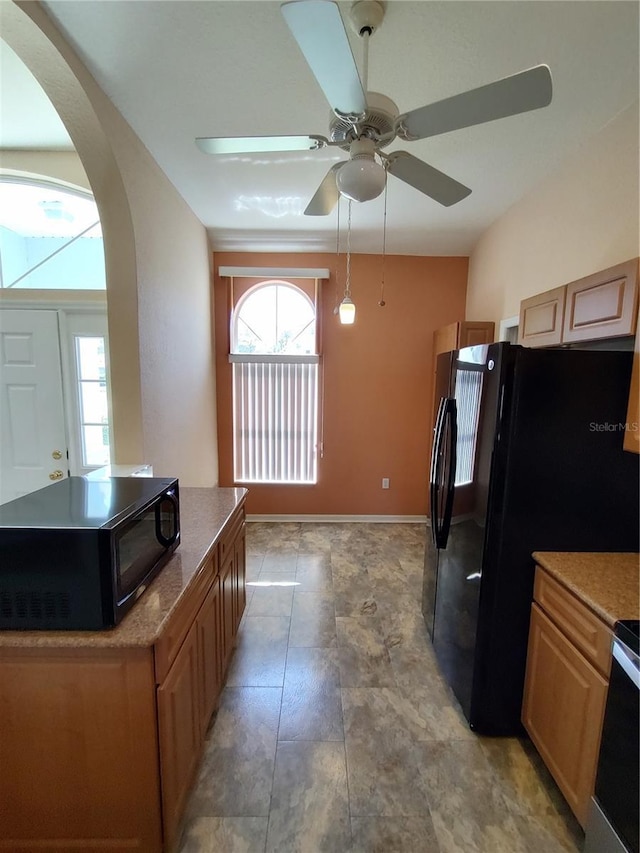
<point x="347" y="309"/>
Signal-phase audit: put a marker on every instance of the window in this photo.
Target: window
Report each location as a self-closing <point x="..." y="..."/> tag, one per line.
<point x="275" y="385"/>
<point x="84" y="344"/>
<point x="50" y="237"/>
<point x="92" y="395"/>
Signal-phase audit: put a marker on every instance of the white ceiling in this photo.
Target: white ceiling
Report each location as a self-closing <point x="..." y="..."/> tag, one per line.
<point x="178" y="69"/>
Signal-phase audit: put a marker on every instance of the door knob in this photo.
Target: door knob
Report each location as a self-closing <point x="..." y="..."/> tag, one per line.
<point x="56" y="475"/>
<point x="57" y="454"/>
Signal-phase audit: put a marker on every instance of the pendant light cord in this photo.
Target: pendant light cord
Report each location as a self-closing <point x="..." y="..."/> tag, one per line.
<point x="335" y="310"/>
<point x="382" y="303"/>
<point x="347" y="286"/>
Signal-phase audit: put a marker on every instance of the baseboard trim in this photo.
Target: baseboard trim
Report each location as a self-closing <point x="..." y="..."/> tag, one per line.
<point x="368" y="519"/>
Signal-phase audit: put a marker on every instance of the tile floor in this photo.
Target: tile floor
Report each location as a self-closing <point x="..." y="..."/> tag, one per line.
<point x="335" y="731"/>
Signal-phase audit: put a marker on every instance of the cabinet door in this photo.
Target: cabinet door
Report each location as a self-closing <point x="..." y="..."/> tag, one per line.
<point x="563" y="709"/>
<point x="602" y="305"/>
<point x="542" y="318"/>
<point x="240" y="576"/>
<point x="445" y="339"/>
<point x="208" y="627"/>
<point x="474" y="332"/>
<point x="179" y="731"/>
<point x="632" y="432"/>
<point x="228" y="595"/>
<point x="78" y="751"/>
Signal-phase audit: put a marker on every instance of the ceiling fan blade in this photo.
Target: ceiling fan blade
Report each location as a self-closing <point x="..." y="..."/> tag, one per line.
<point x="326" y="196"/>
<point x="317" y="27"/>
<point x="425" y="178"/>
<point x="527" y="90"/>
<point x="258" y="144"/>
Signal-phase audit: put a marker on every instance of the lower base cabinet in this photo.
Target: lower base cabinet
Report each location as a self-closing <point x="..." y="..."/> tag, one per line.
<point x="209" y="639"/>
<point x="99" y="747"/>
<point x="566" y="689"/>
<point x="179" y="731"/>
<point x="189" y="693"/>
<point x="78" y="751"/>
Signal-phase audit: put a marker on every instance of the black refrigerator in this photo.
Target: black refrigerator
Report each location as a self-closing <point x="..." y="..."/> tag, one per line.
<point x="527" y="456"/>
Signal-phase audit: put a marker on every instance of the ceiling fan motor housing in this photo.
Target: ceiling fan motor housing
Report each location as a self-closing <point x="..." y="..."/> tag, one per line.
<point x="378" y="123"/>
<point x="366" y="16"/>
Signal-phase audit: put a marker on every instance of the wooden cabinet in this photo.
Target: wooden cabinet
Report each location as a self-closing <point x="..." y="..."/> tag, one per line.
<point x="542" y="318"/>
<point x="632" y="432"/>
<point x="209" y="634"/>
<point x="180" y="732"/>
<point x="599" y="306"/>
<point x="99" y="746"/>
<point x="240" y="576"/>
<point x="566" y="684"/>
<point x="187" y="699"/>
<point x="466" y="333"/>
<point x="602" y="305"/>
<point x="227" y="596"/>
<point x="78" y="751"/>
<point x="188" y="694"/>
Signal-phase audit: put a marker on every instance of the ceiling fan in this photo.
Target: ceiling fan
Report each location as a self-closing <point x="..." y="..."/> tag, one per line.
<point x="363" y="123"/>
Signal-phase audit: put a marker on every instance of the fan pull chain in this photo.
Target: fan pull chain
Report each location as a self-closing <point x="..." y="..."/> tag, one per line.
<point x="347" y="286"/>
<point x="382" y="303"/>
<point x="336" y="308"/>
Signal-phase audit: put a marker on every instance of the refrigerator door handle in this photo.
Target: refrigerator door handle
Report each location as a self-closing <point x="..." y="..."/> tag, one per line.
<point x="451" y="416"/>
<point x="434" y="484"/>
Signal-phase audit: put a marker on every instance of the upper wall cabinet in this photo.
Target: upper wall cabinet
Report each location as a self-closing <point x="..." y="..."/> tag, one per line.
<point x="466" y="333"/>
<point x="542" y="318"/>
<point x="602" y="305"/>
<point x="632" y="432"/>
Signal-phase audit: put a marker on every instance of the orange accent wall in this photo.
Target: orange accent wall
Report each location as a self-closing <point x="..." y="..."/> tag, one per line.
<point x="377" y="382"/>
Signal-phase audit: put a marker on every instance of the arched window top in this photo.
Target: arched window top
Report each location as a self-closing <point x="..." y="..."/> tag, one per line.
<point x="50" y="236"/>
<point x="274" y="317"/>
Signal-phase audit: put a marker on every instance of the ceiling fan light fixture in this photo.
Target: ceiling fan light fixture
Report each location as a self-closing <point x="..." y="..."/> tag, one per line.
<point x="361" y="180"/>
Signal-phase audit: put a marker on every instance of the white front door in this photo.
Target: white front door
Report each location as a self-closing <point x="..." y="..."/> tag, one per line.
<point x="33" y="446"/>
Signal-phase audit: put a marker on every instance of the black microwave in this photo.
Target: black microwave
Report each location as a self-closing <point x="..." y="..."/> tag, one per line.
<point x="77" y="554"/>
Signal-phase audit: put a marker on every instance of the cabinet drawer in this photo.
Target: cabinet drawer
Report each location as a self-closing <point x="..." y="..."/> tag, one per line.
<point x="231" y="531"/>
<point x="168" y="644"/>
<point x="585" y="630"/>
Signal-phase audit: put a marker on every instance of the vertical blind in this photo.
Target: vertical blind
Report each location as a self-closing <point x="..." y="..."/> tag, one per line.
<point x="468" y="393"/>
<point x="275" y="419"/>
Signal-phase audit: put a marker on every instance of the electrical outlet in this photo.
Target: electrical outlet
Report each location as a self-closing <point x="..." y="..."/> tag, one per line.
<point x="385" y="482"/>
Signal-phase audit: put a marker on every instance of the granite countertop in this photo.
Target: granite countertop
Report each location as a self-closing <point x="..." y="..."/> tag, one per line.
<point x="203" y="515"/>
<point x="608" y="583"/>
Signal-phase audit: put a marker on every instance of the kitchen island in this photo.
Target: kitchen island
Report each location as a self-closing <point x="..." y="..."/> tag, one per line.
<point x="101" y="731"/>
<point x="578" y="598"/>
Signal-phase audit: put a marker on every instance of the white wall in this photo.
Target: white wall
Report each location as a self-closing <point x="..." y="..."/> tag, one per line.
<point x="582" y="219"/>
<point x="158" y="268"/>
